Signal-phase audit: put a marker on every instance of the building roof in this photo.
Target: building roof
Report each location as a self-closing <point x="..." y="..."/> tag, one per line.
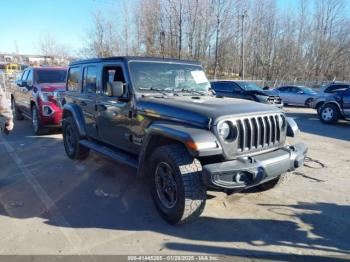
<point x="133" y="58"/>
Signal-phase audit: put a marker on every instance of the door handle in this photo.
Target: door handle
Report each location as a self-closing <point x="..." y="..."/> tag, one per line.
<point x="82" y="103"/>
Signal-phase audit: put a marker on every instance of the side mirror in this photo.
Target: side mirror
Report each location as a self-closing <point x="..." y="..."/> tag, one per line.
<point x="22" y="83"/>
<point x="115" y="89"/>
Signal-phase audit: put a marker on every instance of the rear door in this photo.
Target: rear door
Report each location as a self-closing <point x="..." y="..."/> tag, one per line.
<point x="88" y="98"/>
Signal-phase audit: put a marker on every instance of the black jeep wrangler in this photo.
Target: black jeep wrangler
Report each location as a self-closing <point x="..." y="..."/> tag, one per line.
<point x="160" y="117"/>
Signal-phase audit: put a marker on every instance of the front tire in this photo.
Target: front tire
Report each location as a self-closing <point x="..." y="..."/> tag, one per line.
<point x="329" y="114"/>
<point x="176" y="185"/>
<point x="36" y="122"/>
<point x="71" y="139"/>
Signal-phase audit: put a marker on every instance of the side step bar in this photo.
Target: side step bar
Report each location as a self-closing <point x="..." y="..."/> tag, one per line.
<point x="115" y="154"/>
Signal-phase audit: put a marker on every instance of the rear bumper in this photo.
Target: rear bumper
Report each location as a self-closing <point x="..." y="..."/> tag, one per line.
<point x="251" y="171"/>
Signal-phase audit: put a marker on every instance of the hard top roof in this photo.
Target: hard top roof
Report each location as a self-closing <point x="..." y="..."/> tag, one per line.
<point x="133" y="58"/>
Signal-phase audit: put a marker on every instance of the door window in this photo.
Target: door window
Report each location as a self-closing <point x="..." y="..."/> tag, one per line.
<point x="25" y="75"/>
<point x="30" y="78"/>
<point x="112" y="74"/>
<point x="90" y="80"/>
<point x="222" y="86"/>
<point x="336" y="88"/>
<point x="73" y="83"/>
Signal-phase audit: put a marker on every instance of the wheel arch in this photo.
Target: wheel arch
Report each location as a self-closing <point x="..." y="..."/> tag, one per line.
<point x="76" y="114"/>
<point x="165" y="134"/>
<point x="333" y="103"/>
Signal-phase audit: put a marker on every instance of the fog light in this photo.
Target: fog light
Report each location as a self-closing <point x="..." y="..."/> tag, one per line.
<point x="242" y="177"/>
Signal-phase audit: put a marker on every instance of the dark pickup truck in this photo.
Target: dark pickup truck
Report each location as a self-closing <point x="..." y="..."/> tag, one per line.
<point x="160" y="117"/>
<point x="38" y="95"/>
<point x="246" y="90"/>
<point x="335" y="107"/>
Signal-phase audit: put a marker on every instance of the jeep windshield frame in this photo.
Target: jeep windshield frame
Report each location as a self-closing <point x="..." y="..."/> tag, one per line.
<point x="167" y="77"/>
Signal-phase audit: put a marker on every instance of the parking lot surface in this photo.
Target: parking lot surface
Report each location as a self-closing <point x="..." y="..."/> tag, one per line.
<point x="52" y="205"/>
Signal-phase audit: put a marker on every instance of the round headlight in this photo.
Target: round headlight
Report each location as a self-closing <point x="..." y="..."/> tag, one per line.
<point x="224" y="130"/>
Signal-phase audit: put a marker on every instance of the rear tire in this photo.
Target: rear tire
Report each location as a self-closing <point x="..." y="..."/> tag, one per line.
<point x="16" y="113"/>
<point x="176" y="184"/>
<point x="38" y="128"/>
<point x="329" y="114"/>
<point x="281" y="180"/>
<point x="71" y="139"/>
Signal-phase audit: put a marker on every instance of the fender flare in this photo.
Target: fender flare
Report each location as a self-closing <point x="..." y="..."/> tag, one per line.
<point x="75" y="112"/>
<point x="198" y="142"/>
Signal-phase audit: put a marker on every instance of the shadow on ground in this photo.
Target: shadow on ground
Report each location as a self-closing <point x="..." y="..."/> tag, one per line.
<point x="98" y="193"/>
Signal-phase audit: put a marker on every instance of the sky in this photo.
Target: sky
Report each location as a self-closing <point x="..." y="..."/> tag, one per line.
<point x="24" y="22"/>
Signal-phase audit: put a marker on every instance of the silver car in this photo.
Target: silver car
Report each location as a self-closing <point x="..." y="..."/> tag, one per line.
<point x="296" y="95"/>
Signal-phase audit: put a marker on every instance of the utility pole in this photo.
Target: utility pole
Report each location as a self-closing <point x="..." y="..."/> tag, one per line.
<point x="217" y="38"/>
<point x="242" y="46"/>
<point x="162" y="43"/>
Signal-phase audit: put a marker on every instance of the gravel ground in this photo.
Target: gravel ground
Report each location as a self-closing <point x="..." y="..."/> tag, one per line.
<point x="52" y="205"/>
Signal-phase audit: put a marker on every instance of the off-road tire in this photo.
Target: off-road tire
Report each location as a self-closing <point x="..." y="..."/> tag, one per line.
<point x="71" y="139"/>
<point x="281" y="180"/>
<point x="38" y="127"/>
<point x="335" y="117"/>
<point x="190" y="193"/>
<point x="16" y="113"/>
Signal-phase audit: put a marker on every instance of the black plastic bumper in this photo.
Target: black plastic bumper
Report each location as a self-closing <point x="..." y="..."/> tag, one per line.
<point x="250" y="171"/>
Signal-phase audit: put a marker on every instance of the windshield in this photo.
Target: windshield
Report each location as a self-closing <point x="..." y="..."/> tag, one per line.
<point x="50" y="76"/>
<point x="249" y="86"/>
<point x="168" y="76"/>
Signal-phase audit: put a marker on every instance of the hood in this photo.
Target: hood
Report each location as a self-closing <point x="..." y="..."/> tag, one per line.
<point x="51" y="87"/>
<point x="262" y="92"/>
<point x="200" y="111"/>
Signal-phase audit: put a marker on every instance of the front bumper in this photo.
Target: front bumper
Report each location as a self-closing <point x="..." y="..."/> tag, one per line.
<point x="50" y="114"/>
<point x="251" y="171"/>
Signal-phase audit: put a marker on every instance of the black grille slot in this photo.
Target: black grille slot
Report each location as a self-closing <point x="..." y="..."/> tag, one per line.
<point x="256" y="133"/>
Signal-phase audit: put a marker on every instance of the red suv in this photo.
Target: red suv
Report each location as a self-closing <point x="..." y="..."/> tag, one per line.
<point x="38" y="95"/>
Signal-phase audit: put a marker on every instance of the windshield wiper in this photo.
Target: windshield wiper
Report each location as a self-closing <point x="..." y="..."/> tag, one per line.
<point x="192" y="91"/>
<point x="163" y="91"/>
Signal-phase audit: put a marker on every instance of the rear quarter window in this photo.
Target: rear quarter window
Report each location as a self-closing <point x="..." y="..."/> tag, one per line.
<point x="73" y="79"/>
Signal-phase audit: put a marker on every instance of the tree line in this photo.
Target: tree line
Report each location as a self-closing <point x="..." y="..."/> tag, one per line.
<point x="309" y="41"/>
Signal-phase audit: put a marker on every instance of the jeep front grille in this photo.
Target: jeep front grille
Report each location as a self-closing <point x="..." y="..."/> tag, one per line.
<point x="259" y="132"/>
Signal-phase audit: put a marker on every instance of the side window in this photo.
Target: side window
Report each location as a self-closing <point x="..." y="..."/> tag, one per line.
<point x="222" y="86"/>
<point x="30" y="78"/>
<point x="73" y="82"/>
<point x="294" y="90"/>
<point x="25" y="75"/>
<point x="111" y="74"/>
<point x="90" y="79"/>
<point x="336" y="88"/>
<point x="236" y="88"/>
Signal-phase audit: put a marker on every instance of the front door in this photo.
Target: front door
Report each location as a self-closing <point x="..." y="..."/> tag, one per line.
<point x="114" y="113"/>
<point x="346" y="103"/>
